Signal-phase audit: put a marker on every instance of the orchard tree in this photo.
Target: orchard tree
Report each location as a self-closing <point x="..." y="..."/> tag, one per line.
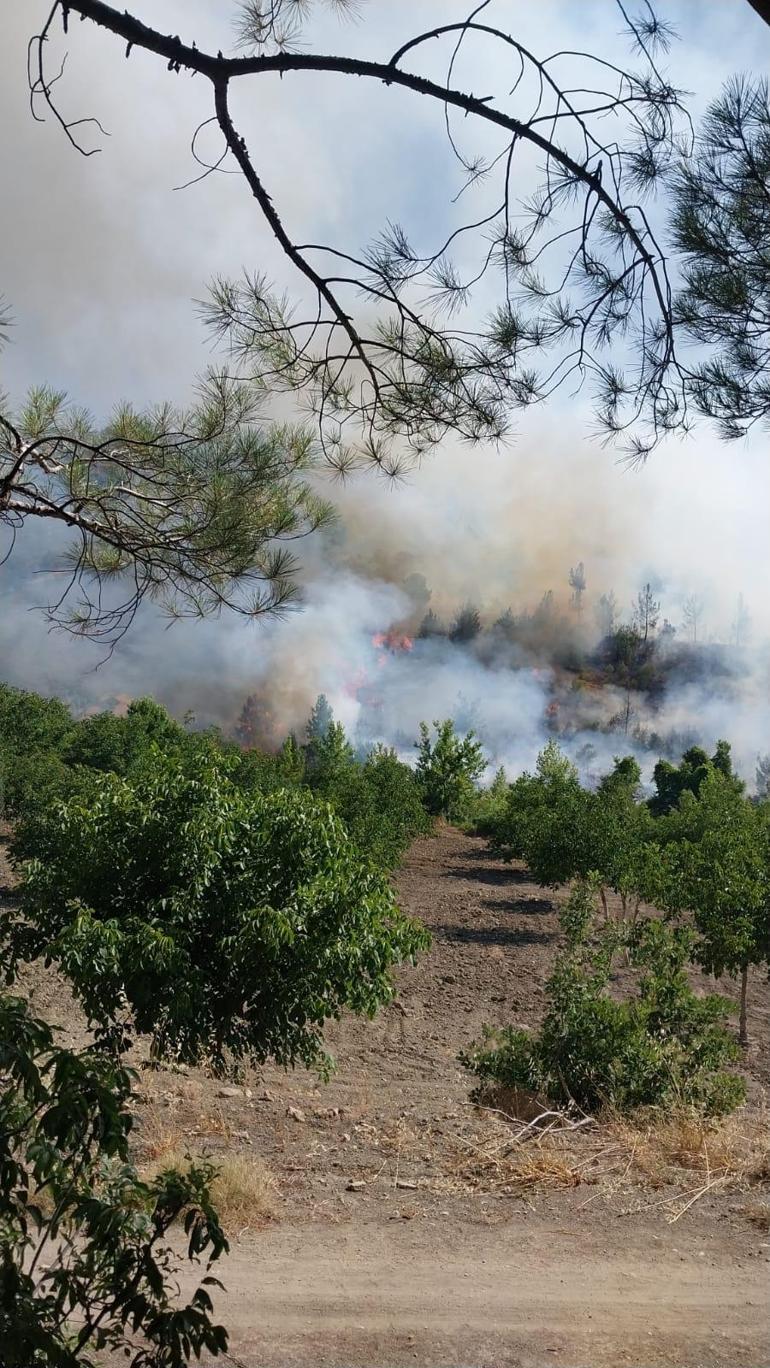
<point x="672" y="781"/>
<point x="448" y="768"/>
<point x="717" y="865"/>
<point x="383" y="340"/>
<point x="664" y="1045"/>
<point x="230" y="924"/>
<point x="544" y="821"/>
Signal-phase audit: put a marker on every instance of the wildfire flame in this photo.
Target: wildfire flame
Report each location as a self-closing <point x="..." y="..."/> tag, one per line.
<point x="393" y="641"/>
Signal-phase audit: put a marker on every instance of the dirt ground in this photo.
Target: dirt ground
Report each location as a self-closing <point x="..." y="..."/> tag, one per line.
<point x="411" y="1226"/>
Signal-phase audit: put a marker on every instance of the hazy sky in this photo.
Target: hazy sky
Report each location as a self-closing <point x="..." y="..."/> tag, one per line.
<point x="101" y="260"/>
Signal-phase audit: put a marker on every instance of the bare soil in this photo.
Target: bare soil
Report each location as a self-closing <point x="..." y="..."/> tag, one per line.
<point x="409" y="1230"/>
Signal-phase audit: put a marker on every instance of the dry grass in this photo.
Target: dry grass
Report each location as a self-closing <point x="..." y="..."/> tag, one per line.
<point x="625" y="1161"/>
<point x="244" y="1191"/>
<point x="733" y="1150"/>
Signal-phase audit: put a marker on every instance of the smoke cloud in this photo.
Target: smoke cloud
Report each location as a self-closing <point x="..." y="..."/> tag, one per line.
<point x="102" y="258"/>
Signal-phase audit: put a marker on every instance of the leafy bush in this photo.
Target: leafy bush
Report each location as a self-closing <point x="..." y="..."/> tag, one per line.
<point x="448" y="769"/>
<point x="664" y="1045"/>
<point x="716" y="865"/>
<point x="228" y="921"/>
<point x="562" y="831"/>
<point x="44" y="752"/>
<point x="69" y="1194"/>
<point x="381" y="805"/>
<point x="672" y="781"/>
<point x="545" y="820"/>
<point x="489" y="806"/>
<point x="31" y="780"/>
<point x="29" y="722"/>
<point x="116" y="744"/>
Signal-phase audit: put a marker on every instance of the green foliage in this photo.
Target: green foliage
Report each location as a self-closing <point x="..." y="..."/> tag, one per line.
<point x="29" y="722"/>
<point x="31" y="779"/>
<point x="380" y="802"/>
<point x="717" y="866"/>
<point x="721" y="226"/>
<point x="664" y="1045"/>
<point x="33" y="733"/>
<point x="115" y="744"/>
<point x="192" y="509"/>
<point x="671" y="781"/>
<point x="489" y="806"/>
<point x="448" y="769"/>
<point x="231" y="923"/>
<point x="45" y="753"/>
<point x="320" y="719"/>
<point x="86" y="1266"/>
<point x="329" y="757"/>
<point x="545" y="820"/>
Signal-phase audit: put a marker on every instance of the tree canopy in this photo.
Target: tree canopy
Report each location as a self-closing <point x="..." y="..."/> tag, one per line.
<point x="196" y="510"/>
<point x="229" y="923"/>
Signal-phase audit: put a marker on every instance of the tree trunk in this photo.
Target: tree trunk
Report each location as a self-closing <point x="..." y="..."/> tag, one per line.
<point x="743" y="1028"/>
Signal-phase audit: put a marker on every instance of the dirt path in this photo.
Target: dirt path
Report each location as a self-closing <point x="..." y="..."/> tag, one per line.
<point x="528" y="1297"/>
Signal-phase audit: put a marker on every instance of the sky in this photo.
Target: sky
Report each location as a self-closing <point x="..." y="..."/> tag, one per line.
<point x="102" y="260"/>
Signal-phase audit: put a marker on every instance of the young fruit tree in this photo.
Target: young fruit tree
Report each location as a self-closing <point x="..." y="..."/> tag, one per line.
<point x="448" y="768"/>
<point x="228" y="924"/>
<point x="716" y="865"/>
<point x="663" y="1045"/>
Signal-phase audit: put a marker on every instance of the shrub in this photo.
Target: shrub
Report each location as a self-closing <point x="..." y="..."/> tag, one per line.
<point x="228" y="921"/>
<point x="545" y="820"/>
<point x="29" y="722"/>
<point x="381" y="805"/>
<point x="664" y="1045"/>
<point x="448" y="769"/>
<point x="489" y="806"/>
<point x="117" y="744"/>
<point x="31" y="780"/>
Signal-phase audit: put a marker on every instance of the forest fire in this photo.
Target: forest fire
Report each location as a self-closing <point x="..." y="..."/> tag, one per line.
<point x="393" y="641"/>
